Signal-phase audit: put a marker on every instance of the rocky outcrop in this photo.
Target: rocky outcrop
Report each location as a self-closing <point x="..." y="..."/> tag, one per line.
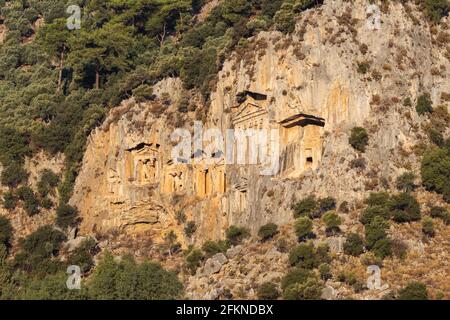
<point x="312" y="87"/>
<point x="22" y="223"/>
<point x="212" y="265"/>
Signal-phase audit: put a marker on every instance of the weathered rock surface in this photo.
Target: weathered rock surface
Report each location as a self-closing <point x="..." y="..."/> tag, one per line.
<point x="128" y="183"/>
<point x="213" y="265"/>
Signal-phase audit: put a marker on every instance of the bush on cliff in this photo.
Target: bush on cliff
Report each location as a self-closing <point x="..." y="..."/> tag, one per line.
<point x="236" y="234"/>
<point x="359" y="139"/>
<point x="413" y="291"/>
<point x="129" y="280"/>
<point x="267" y="231"/>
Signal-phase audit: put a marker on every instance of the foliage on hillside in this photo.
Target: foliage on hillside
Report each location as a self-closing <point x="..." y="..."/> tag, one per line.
<point x="57" y="84"/>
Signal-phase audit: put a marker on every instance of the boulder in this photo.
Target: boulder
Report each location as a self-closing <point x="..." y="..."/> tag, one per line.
<point x="328" y="293"/>
<point x="75" y="243"/>
<point x="213" y="264"/>
<point x="234" y="251"/>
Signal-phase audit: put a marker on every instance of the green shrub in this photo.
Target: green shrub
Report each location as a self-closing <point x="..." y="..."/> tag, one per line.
<point x="211" y="248"/>
<point x="322" y="253"/>
<point x="344" y="207"/>
<point x="327" y="204"/>
<point x="51" y="287"/>
<point x="303" y="256"/>
<point x="268" y="291"/>
<point x="378" y="199"/>
<point x="347" y="277"/>
<point x="194" y="260"/>
<point x="268" y="231"/>
<point x="325" y="271"/>
<point x="38" y="251"/>
<point x="3" y="256"/>
<point x="435" y="171"/>
<point x="407" y="102"/>
<point x="369" y="259"/>
<point x="82" y="256"/>
<point x="143" y="93"/>
<point x="46" y="203"/>
<point x="190" y="229"/>
<point x="406" y="182"/>
<point x="363" y="67"/>
<point x="436" y="9"/>
<point x="45" y="242"/>
<point x="404" y="208"/>
<point x="128" y="280"/>
<point x="66" y="215"/>
<point x="310" y="290"/>
<point x="359" y="139"/>
<point x="374" y="211"/>
<point x="441" y="213"/>
<point x="424" y="104"/>
<point x="13" y="146"/>
<point x="284" y="18"/>
<point x="47" y="182"/>
<point x="9" y="201"/>
<point x="332" y="221"/>
<point x="435" y="137"/>
<point x="382" y="248"/>
<point x="6" y="231"/>
<point x="375" y="231"/>
<point x="295" y="276"/>
<point x="304" y="207"/>
<point x="30" y="202"/>
<point x="13" y="175"/>
<point x="303" y="227"/>
<point x="354" y="245"/>
<point x="351" y="279"/>
<point x="413" y="291"/>
<point x="428" y="226"/>
<point x="235" y="234"/>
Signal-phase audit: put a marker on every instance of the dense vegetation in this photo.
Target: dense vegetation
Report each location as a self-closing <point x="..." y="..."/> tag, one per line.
<point x="57" y="85"/>
<point x="435" y="170"/>
<point x="36" y="272"/>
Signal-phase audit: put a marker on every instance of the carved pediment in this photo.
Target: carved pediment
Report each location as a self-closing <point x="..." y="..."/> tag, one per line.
<point x="248" y="111"/>
<point x="250" y="106"/>
<point x="147" y="150"/>
<point x="302" y="119"/>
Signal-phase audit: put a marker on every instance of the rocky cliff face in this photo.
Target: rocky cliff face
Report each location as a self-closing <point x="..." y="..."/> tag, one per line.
<point x="333" y="73"/>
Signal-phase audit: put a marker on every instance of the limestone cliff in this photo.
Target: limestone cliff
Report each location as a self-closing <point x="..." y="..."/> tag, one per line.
<point x="333" y="73"/>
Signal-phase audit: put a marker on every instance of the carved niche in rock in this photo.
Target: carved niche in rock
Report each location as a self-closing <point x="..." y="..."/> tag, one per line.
<point x="142" y="164"/>
<point x="240" y="194"/>
<point x="209" y="176"/>
<point x="251" y="112"/>
<point x="175" y="176"/>
<point x="301" y="143"/>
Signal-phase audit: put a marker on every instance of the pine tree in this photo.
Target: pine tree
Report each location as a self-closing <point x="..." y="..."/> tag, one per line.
<point x="54" y="38"/>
